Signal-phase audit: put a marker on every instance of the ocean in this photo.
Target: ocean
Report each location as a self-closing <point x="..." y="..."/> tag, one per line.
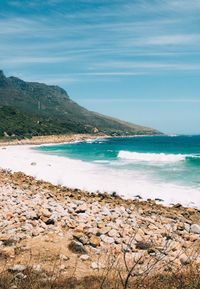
<point x="165" y="167"/>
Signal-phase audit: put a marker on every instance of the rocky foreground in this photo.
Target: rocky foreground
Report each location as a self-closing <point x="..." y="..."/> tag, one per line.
<point x="52" y="228"/>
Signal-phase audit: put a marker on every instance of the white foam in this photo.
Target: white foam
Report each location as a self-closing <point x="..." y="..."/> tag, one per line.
<point x="93" y="177"/>
<point x="151" y="157"/>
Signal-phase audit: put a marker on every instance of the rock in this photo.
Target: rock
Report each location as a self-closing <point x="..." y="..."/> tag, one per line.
<point x="187" y="227"/>
<point x="33" y="164"/>
<point x="84" y="257"/>
<point x="9" y="215"/>
<point x="94" y="265"/>
<point x="50" y="222"/>
<point x="105" y="211"/>
<point x="159" y="200"/>
<point x="177" y="206"/>
<point x="62" y="267"/>
<point x="80" y="228"/>
<point x="64" y="258"/>
<point x="185" y="260"/>
<point x="8" y="252"/>
<point x="9" y="242"/>
<point x="113" y="233"/>
<point x="71" y="224"/>
<point x="138" y="197"/>
<point x="81" y="238"/>
<point x="20" y="276"/>
<point x="37" y="268"/>
<point x="26" y="227"/>
<point x="4" y="238"/>
<point x="125" y="248"/>
<point x="105" y="230"/>
<point x="81" y="209"/>
<point x="45" y="213"/>
<point x="77" y="247"/>
<point x="195" y="229"/>
<point x="138" y="238"/>
<point x="17" y="268"/>
<point x="107" y="239"/>
<point x="143" y="245"/>
<point x="95" y="241"/>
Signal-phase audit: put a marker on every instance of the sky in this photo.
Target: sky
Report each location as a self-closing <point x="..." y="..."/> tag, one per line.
<point x="138" y="60"/>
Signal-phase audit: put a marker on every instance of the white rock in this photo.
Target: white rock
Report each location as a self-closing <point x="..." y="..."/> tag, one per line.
<point x="94" y="265"/>
<point x="195" y="229"/>
<point x="187" y="227"/>
<point x="84" y="257"/>
<point x="17" y="268"/>
<point x="113" y="233"/>
<point x="105" y="211"/>
<point x="107" y="239"/>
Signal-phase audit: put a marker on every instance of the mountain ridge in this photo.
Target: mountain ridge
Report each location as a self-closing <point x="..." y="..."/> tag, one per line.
<point x="33" y="108"/>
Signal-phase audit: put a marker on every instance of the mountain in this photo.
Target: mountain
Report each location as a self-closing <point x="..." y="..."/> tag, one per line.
<point x="31" y="108"/>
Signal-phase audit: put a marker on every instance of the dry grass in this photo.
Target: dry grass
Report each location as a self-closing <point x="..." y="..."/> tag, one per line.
<point x="187" y="279"/>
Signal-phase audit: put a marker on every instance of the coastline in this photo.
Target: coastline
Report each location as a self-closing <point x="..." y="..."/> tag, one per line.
<point x="50" y="139"/>
<point x="87" y="176"/>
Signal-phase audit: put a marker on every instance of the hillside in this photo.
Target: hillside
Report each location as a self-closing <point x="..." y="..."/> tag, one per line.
<point x="31" y="108"/>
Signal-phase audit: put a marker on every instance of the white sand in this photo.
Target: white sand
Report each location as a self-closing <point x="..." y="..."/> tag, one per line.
<point x="91" y="176"/>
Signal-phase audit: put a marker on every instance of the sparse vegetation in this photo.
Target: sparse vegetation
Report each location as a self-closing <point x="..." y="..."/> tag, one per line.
<point x="30" y="109"/>
<point x="186" y="278"/>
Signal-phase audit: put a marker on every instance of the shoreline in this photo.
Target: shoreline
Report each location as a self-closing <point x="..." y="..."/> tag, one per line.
<point x="87" y="176"/>
<point x="51" y="139"/>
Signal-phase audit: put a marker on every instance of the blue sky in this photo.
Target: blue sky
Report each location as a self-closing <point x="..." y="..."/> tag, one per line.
<point x="138" y="60"/>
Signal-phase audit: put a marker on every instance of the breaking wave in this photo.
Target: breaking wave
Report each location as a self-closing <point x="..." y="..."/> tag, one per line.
<point x="154" y="157"/>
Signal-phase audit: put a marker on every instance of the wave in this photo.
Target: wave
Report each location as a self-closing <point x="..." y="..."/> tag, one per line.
<point x="151" y="157"/>
<point x="193" y="159"/>
<point x="158" y="157"/>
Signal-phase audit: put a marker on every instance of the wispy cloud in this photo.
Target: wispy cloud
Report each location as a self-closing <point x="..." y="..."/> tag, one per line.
<point x="117" y="39"/>
<point x="177" y="39"/>
<point x="127" y="65"/>
<point x="36" y="60"/>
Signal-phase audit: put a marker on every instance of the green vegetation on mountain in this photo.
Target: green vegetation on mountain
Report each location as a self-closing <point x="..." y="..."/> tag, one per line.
<point x="29" y="108"/>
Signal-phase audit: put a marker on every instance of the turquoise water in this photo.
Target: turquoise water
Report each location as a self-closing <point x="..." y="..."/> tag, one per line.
<point x="163" y="159"/>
